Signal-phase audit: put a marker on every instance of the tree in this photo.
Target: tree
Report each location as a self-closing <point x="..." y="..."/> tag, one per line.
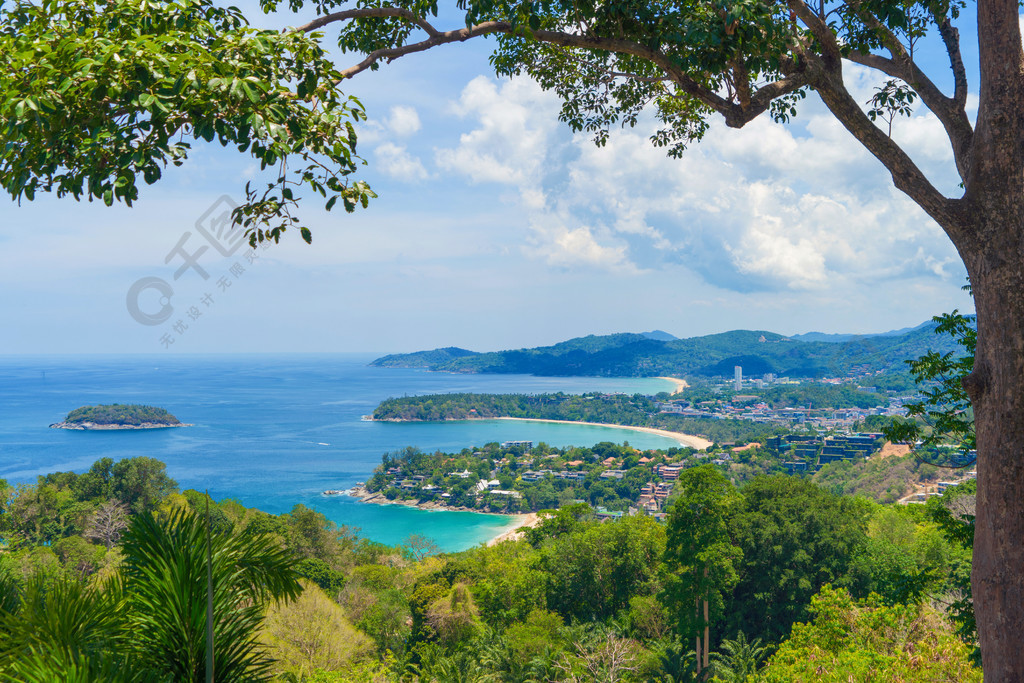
<point x="945" y="406"/>
<point x="311" y="534"/>
<point x="417" y="546"/>
<point x="866" y="641"/>
<point x="592" y="573"/>
<point x="149" y="624"/>
<point x="701" y="555"/>
<point x="64" y="630"/>
<point x="795" y="537"/>
<point x="165" y="580"/>
<point x="954" y="514"/>
<point x="141" y="483"/>
<point x="79" y="121"/>
<point x="97" y="94"/>
<point x="738" y="659"/>
<point x="107" y="523"/>
<point x="310" y="633"/>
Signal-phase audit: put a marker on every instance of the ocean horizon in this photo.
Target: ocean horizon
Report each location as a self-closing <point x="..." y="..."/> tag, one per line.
<point x="276" y="430"/>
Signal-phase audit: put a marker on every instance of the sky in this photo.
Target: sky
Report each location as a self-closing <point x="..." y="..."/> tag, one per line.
<point x="495" y="227"/>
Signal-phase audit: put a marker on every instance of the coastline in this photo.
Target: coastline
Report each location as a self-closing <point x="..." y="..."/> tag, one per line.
<point x="513" y="531"/>
<point x="92" y="426"/>
<point x="508" y="532"/>
<point x="681" y="384"/>
<point x="359" y="491"/>
<point x="688" y="440"/>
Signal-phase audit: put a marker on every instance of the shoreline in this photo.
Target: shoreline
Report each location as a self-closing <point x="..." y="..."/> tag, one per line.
<point x="508" y="532"/>
<point x="513" y="531"/>
<point x="689" y="440"/>
<point x="92" y="426"/>
<point x="359" y="491"/>
<point x="681" y="384"/>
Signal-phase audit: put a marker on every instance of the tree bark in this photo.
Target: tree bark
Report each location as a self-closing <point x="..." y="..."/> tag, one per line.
<point x="991" y="242"/>
<point x="996" y="387"/>
<point x="707" y="630"/>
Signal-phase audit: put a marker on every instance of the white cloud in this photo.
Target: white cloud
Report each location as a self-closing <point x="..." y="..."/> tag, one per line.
<point x="395" y="161"/>
<point x="403" y="121"/>
<point x="515" y="125"/>
<point x="767" y="207"/>
<point x="568" y="247"/>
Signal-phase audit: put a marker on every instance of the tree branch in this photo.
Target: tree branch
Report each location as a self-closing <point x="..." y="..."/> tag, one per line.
<point x="369" y="13"/>
<point x="436" y="38"/>
<point x="817" y="26"/>
<point x="951" y="39"/>
<point x="638" y="78"/>
<point x="949" y="110"/>
<point x="736" y="115"/>
<point x="906" y="176"/>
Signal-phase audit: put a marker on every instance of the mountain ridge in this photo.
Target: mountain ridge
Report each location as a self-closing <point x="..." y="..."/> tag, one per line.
<point x="628" y="354"/>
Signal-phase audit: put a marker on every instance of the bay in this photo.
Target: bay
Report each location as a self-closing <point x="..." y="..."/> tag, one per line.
<point x="276" y="430"/>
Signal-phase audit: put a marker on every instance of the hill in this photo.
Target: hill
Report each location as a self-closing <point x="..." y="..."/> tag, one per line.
<point x="836" y="338"/>
<point x="639" y="355"/>
<point x="118" y="416"/>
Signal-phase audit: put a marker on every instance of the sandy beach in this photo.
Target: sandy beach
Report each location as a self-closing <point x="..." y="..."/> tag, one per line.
<point x="512" y="532"/>
<point x="680" y="384"/>
<point x="509" y="532"/>
<point x="689" y="440"/>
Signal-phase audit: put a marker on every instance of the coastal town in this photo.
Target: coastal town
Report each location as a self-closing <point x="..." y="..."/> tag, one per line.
<point x="825" y="428"/>
<point x="743" y="398"/>
<point x="615" y="480"/>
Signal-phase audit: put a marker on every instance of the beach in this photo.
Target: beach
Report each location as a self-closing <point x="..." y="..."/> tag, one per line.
<point x="513" y="533"/>
<point x="680" y="384"/>
<point x="508" y="532"/>
<point x="688" y="440"/>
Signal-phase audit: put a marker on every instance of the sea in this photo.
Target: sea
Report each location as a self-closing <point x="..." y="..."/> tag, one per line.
<point x="274" y="431"/>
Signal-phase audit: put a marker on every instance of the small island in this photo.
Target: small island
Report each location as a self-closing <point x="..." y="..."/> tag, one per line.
<point x="118" y="416"/>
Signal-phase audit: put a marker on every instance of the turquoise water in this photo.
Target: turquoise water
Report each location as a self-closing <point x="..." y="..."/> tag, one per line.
<point x="273" y="431"/>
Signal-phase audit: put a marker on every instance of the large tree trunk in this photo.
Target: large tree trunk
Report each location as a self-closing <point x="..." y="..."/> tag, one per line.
<point x="997" y="393"/>
<point x="991" y="241"/>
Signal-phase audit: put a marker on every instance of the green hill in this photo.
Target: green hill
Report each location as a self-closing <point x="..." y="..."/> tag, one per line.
<point x="638" y="355"/>
<point x="118" y="414"/>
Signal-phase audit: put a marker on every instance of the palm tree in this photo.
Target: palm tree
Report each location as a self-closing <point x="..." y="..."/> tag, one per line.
<point x="59" y="628"/>
<point x="150" y="623"/>
<point x="165" y="580"/>
<point x="678" y="665"/>
<point x="737" y="659"/>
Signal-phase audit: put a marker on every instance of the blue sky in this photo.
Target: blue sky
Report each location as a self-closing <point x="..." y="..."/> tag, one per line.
<point x="495" y="227"/>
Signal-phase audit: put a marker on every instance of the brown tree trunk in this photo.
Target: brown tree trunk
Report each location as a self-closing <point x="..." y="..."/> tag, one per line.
<point x="707" y="630"/>
<point x="697" y="649"/>
<point x="997" y="392"/>
<point x="991" y="242"/>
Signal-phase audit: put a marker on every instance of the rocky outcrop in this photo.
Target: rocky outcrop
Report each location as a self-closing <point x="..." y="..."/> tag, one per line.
<point x="93" y="426"/>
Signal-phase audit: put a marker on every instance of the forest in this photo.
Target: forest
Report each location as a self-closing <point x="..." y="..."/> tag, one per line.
<point x="800" y="583"/>
<point x="118" y="414"/>
<point x="636" y="410"/>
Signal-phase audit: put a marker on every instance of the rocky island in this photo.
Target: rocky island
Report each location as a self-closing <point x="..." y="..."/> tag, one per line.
<point x="118" y="416"/>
